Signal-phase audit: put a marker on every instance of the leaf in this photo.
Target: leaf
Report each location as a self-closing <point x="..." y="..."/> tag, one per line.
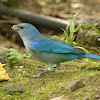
<point x="91" y="26"/>
<point x="68" y="41"/>
<point x="55" y="37"/>
<point x="79" y="26"/>
<point x="68" y="27"/>
<point x="72" y="25"/>
<point x="82" y="48"/>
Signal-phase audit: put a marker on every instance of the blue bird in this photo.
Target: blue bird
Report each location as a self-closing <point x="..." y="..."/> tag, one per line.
<point x="47" y="50"/>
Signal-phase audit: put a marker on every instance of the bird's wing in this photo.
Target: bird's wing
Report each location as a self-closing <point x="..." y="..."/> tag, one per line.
<point x="54" y="47"/>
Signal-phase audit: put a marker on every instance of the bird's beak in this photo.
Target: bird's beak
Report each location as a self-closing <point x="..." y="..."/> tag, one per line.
<point x="15" y="28"/>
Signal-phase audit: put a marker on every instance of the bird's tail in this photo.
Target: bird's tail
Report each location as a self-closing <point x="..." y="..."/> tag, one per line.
<point x="90" y="56"/>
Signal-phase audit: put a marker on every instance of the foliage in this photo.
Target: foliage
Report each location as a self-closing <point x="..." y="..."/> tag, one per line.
<point x="69" y="33"/>
<point x="13" y="55"/>
<point x="91" y="26"/>
<point x="71" y="29"/>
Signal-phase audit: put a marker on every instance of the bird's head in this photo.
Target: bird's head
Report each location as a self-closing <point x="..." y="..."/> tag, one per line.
<point x="26" y="30"/>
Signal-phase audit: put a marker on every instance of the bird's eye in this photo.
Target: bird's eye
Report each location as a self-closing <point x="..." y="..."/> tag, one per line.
<point x="21" y="27"/>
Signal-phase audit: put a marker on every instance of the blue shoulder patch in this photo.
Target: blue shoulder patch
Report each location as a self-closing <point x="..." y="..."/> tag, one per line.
<point x="35" y="44"/>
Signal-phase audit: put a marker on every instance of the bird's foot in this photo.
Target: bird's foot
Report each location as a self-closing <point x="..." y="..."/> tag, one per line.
<point x="45" y="71"/>
<point x="40" y="74"/>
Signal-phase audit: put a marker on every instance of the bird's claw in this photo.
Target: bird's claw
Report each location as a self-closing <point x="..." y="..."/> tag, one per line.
<point x="40" y="74"/>
<point x="35" y="76"/>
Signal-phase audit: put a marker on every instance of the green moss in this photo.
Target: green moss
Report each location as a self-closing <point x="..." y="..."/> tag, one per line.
<point x="52" y="84"/>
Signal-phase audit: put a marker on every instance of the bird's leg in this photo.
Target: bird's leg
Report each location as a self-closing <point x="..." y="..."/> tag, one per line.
<point x="45" y="71"/>
<point x="50" y="67"/>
